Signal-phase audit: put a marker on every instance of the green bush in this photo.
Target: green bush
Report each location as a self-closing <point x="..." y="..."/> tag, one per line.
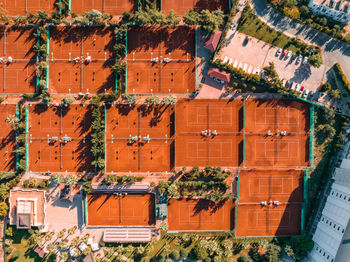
<point x="243" y="258"/>
<point x="341" y="76"/>
<point x="175" y="254"/>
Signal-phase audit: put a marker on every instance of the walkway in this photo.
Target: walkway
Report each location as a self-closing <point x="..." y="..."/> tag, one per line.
<point x="333" y="50"/>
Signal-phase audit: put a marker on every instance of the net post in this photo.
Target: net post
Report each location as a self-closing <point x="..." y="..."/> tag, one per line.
<point x="105" y="132"/>
<point x="26" y="133"/>
<point x="47" y="56"/>
<point x="312" y="114"/>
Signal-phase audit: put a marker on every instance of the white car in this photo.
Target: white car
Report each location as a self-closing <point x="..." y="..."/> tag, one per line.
<point x="298" y="87"/>
<point x="279" y="52"/>
<point x="300" y="58"/>
<point x="305" y="94"/>
<point x="289" y="54"/>
<point x="305" y="60"/>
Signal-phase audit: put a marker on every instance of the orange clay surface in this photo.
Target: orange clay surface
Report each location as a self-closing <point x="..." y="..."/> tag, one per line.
<point x="21" y="7"/>
<point x="112" y="210"/>
<point x="58" y="156"/>
<point x="113" y="7"/>
<point x="175" y="76"/>
<point x="271" y="185"/>
<point x="7" y="139"/>
<point x="255" y="220"/>
<point x="224" y="117"/>
<point x="69" y="76"/>
<point x="124" y="155"/>
<point x="186" y="214"/>
<point x="284" y="115"/>
<point x="183" y="6"/>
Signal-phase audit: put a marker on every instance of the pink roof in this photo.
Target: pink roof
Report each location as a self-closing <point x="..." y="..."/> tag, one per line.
<point x="213" y="41"/>
<point x="219" y="74"/>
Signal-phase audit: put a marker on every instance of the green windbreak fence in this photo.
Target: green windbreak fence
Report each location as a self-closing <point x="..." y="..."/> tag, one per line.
<point x="17" y="115"/>
<point x="37" y="77"/>
<point x="105" y="128"/>
<point x="69" y="5"/>
<point x="243" y="151"/>
<point x="235" y="217"/>
<point x="195" y="57"/>
<point x="27" y="146"/>
<point x="126" y="62"/>
<point x="312" y="114"/>
<point x="85" y="209"/>
<point x="47" y="55"/>
<point x="303" y="208"/>
<point x="238" y="187"/>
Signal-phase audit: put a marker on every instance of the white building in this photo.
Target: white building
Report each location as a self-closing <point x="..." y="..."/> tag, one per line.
<point x="338" y="10"/>
<point x="333" y="230"/>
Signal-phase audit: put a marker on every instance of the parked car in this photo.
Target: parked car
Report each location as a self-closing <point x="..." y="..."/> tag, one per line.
<point x="305" y="60"/>
<point x="311" y="94"/>
<point x="302" y="88"/>
<point x="279" y="52"/>
<point x="288" y="84"/>
<point x="300" y="58"/>
<point x="295" y="55"/>
<point x="305" y="94"/>
<point x="289" y="54"/>
<point x="298" y="87"/>
<point x="284" y="53"/>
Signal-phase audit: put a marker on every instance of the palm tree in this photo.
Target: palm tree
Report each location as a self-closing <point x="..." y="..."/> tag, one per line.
<point x="64" y="256"/>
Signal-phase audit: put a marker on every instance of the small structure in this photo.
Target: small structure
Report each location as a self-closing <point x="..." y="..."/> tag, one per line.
<point x="40" y="251"/>
<point x="219" y="75"/>
<point x="27" y="208"/>
<point x="213" y="41"/>
<point x="338" y="10"/>
<point x="67" y="193"/>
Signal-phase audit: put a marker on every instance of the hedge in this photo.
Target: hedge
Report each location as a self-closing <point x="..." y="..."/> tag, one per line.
<point x="341" y="76"/>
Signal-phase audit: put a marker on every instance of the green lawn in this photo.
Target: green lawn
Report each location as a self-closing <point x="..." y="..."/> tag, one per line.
<point x="251" y="25"/>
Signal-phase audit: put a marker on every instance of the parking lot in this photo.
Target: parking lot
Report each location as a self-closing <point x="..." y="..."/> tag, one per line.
<point x="252" y="55"/>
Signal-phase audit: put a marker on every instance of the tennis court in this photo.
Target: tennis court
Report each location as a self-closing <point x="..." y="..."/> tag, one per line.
<point x="256" y="186"/>
<point x="7" y="139"/>
<point x="22" y="7"/>
<point x="226" y="117"/>
<point x="17" y="63"/>
<point x="114" y="7"/>
<point x="209" y="133"/>
<point x="277" y="115"/>
<point x="59" y="138"/>
<point x="198" y="150"/>
<point x="81" y="60"/>
<point x="256" y="220"/>
<point x="277" y="151"/>
<point x="140" y="138"/>
<point x="186" y="214"/>
<point x="182" y="6"/>
<point x="161" y="60"/>
<point x="120" y="210"/>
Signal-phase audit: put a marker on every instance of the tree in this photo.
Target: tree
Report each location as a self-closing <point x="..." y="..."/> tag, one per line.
<point x="130" y="98"/>
<point x="172" y="19"/>
<point x="67" y="101"/>
<point x="316" y="60"/>
<point x="289" y="3"/>
<point x="292" y="12"/>
<point x="71" y="180"/>
<point x="273" y="253"/>
<point x="243" y="258"/>
<point x="301" y="245"/>
<point x="163" y="226"/>
<point x="64" y="256"/>
<point x="3" y="191"/>
<point x="304" y="11"/>
<point x="191" y="18"/>
<point x="270" y="71"/>
<point x="57" y="179"/>
<point x="3" y="209"/>
<point x="335" y="93"/>
<point x="199" y="252"/>
<point x="48" y="237"/>
<point x="74" y="241"/>
<point x="170" y="100"/>
<point x="175" y="254"/>
<point x="153" y="100"/>
<point x="227" y="244"/>
<point x="211" y="21"/>
<point x="53" y="249"/>
<point x="325" y="87"/>
<point x="72" y="230"/>
<point x="61" y="234"/>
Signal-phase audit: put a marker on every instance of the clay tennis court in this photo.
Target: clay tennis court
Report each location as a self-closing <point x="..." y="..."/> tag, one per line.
<point x="187" y="214"/>
<point x="112" y="210"/>
<point x="142" y="122"/>
<point x="48" y="127"/>
<point x="114" y="7"/>
<point x="155" y="156"/>
<point x="283" y="115"/>
<point x="17" y="76"/>
<point x="256" y="220"/>
<point x="180" y="7"/>
<point x="271" y="185"/>
<point x="277" y="151"/>
<point x="70" y="71"/>
<point x="197" y="115"/>
<point x="21" y="7"/>
<point x="7" y="139"/>
<point x="161" y="60"/>
<point x="222" y="143"/>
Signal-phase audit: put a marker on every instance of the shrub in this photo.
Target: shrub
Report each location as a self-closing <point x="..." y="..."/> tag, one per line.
<point x="243" y="258"/>
<point x="67" y="101"/>
<point x="325" y="87"/>
<point x="2" y="99"/>
<point x="175" y="254"/>
<point x="184" y="252"/>
<point x="341" y="76"/>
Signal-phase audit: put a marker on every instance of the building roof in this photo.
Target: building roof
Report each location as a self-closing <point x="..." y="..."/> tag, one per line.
<point x="337" y="5"/>
<point x="27" y="207"/>
<point x="219" y="74"/>
<point x="213" y="41"/>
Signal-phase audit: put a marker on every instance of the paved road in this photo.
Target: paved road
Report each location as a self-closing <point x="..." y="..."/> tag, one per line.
<point x="333" y="50"/>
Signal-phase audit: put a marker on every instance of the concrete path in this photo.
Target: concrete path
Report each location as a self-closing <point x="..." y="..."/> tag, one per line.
<point x="333" y="50"/>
